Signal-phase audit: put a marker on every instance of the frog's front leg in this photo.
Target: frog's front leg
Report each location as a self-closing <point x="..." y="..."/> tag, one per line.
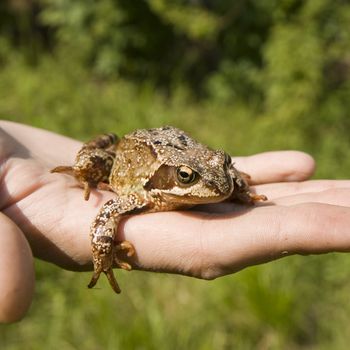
<point x="93" y="163"/>
<point x="105" y="249"/>
<point x="242" y="192"/>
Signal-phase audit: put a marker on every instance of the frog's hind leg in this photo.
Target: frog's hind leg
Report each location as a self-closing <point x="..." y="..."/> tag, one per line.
<point x="104" y="141"/>
<point x="93" y="163"/>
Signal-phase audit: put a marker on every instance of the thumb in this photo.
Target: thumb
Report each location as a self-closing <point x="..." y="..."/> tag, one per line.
<point x="16" y="272"/>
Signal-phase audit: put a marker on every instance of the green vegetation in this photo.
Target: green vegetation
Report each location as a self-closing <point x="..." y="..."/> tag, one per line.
<point x="246" y="76"/>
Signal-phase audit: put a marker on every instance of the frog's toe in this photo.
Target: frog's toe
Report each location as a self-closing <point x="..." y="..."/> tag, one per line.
<point x="130" y="251"/>
<point x="123" y="264"/>
<point x="126" y="246"/>
<point x="95" y="277"/>
<point x="110" y="276"/>
<point x="86" y="190"/>
<point x="112" y="281"/>
<point x="257" y="197"/>
<point x="63" y="169"/>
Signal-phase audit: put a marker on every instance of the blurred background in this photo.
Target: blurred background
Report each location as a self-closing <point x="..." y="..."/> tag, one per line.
<point x="246" y="76"/>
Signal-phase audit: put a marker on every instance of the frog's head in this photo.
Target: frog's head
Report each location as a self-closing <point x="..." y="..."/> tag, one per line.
<point x="192" y="176"/>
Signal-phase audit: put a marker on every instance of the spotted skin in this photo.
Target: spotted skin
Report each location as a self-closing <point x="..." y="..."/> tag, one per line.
<point x="150" y="170"/>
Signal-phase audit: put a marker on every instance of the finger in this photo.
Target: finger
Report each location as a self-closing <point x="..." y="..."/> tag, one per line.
<point x="36" y="141"/>
<point x="276" y="166"/>
<point x="208" y="246"/>
<point x="269" y="233"/>
<point x="335" y="196"/>
<point x="282" y="189"/>
<point x="309" y="228"/>
<point x="16" y="274"/>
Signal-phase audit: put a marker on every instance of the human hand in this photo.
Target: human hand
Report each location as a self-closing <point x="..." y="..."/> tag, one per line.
<point x="50" y="211"/>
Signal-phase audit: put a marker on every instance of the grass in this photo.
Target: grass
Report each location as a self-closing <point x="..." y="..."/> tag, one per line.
<point x="295" y="303"/>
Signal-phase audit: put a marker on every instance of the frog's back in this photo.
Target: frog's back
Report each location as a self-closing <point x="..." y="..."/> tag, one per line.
<point x="171" y="146"/>
<point x="164" y="137"/>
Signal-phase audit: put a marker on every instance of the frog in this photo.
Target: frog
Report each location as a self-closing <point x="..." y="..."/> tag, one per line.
<point x="150" y="170"/>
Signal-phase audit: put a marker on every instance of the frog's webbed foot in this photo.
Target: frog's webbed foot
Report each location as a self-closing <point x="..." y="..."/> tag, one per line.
<point x="93" y="163"/>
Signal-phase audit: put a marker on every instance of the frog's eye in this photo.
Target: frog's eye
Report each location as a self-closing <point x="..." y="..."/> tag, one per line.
<point x="186" y="175"/>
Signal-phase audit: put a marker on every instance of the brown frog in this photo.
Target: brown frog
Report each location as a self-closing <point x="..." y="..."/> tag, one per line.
<point x="150" y="170"/>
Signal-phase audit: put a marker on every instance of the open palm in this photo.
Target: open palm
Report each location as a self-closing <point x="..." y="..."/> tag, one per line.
<point x="48" y="211"/>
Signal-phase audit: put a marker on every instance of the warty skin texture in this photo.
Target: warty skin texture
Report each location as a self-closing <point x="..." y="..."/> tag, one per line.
<point x="150" y="170"/>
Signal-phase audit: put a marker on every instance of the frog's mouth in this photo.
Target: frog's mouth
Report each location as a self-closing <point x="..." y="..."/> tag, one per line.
<point x="191" y="199"/>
